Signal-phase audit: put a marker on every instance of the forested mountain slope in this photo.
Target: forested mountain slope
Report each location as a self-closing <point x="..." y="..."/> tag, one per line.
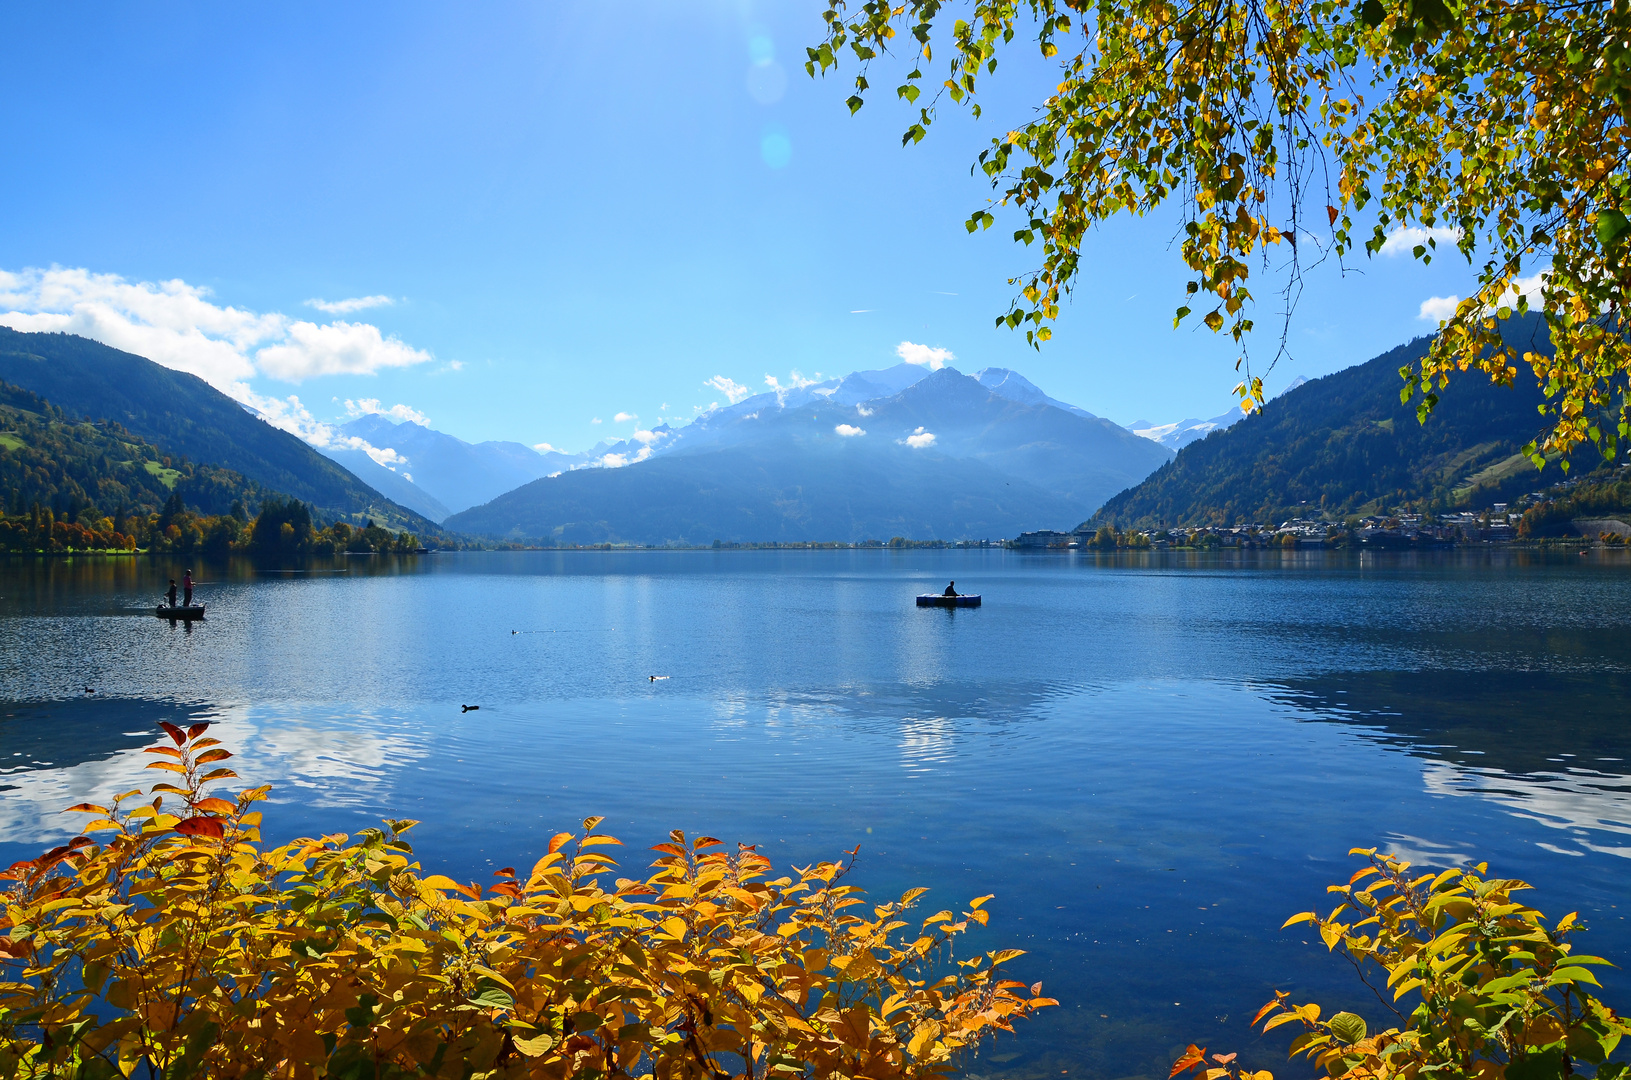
<point x="70" y="466"/>
<point x="1345" y="444"/>
<point x="185" y="416"/>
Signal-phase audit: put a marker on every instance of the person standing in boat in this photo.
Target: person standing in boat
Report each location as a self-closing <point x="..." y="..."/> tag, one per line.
<point x="951" y="590"/>
<point x="187" y="586"/>
<point x="172" y="593"/>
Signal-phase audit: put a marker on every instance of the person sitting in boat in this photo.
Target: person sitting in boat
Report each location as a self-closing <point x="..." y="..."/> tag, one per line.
<point x="187" y="588"/>
<point x="172" y="593"/>
<point x="951" y="590"/>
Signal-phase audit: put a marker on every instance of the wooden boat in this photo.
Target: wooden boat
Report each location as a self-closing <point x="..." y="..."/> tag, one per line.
<point x="941" y="600"/>
<point x="165" y="611"/>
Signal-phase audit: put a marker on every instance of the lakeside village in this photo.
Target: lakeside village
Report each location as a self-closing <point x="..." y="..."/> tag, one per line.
<point x="1548" y="517"/>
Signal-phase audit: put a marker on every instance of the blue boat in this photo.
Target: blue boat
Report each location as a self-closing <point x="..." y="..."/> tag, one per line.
<point x="941" y="600"/>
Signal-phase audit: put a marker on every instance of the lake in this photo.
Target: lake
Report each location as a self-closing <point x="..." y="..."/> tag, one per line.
<point x="1152" y="760"/>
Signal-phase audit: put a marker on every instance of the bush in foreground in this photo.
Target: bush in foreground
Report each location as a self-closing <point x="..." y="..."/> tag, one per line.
<point x="213" y="956"/>
<point x="1482" y="988"/>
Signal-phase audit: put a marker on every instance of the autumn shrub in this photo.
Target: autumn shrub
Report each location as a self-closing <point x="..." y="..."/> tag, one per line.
<point x="1482" y="988"/>
<point x="177" y="945"/>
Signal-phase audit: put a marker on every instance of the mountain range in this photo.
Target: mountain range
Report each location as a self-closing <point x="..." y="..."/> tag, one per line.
<point x="1344" y="444"/>
<point x="897" y="452"/>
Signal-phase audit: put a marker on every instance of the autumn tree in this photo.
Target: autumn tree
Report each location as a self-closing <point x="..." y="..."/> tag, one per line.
<point x="1288" y="132"/>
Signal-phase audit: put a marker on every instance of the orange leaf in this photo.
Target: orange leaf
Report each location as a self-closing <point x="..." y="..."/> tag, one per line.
<point x="198" y="729"/>
<point x="215" y="806"/>
<point x="1192" y="1057"/>
<point x="175" y="733"/>
<point x="200" y="826"/>
<point x="1331" y="212"/>
<point x="213" y="755"/>
<point x="557" y="840"/>
<point x="87" y="808"/>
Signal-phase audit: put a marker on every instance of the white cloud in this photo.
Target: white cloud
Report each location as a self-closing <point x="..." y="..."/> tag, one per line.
<point x="169" y="322"/>
<point x="624" y="417"/>
<point x="1438" y="308"/>
<point x="847" y="431"/>
<point x="733" y="390"/>
<point x="346" y="307"/>
<point x="290" y="414"/>
<point x="646" y="438"/>
<point x="175" y="324"/>
<point x="399" y="412"/>
<point x="596" y="420"/>
<point x="796" y="381"/>
<point x="923" y="355"/>
<point x="863" y="410"/>
<point x="1528" y="286"/>
<point x="1403" y="239"/>
<point x="340" y="348"/>
<point x="919" y="439"/>
<point x="545" y="448"/>
<point x="617" y="461"/>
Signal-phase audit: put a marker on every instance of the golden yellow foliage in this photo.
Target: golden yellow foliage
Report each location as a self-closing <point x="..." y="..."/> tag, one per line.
<point x="179" y="942"/>
<point x="1499" y="995"/>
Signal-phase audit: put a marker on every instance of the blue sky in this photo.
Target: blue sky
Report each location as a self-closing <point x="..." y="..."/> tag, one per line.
<point x="575" y="211"/>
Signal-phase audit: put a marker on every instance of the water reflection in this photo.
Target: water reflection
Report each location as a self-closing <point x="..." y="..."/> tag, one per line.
<point x="1551" y="747"/>
<point x="55" y="754"/>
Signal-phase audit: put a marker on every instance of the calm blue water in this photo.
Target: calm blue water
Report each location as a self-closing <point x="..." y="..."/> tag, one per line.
<point x="1150" y="760"/>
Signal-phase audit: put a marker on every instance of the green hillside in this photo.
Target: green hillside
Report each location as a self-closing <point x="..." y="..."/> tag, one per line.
<point x="71" y="467"/>
<point x="1345" y="445"/>
<point x="183" y="415"/>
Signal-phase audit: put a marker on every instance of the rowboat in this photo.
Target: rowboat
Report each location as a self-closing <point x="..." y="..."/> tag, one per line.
<point x="165" y="611"/>
<point x="941" y="600"/>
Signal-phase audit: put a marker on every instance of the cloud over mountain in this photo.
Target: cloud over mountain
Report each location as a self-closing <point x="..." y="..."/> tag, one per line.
<point x="177" y="325"/>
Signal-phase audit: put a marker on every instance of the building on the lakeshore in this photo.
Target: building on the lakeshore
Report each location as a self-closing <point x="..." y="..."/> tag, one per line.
<point x="1043" y="538"/>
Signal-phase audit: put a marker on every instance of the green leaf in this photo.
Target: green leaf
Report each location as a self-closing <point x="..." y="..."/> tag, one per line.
<point x="1347" y="1026"/>
<point x="493" y="997"/>
<point x="1541" y="1065"/>
<point x="1611" y="227"/>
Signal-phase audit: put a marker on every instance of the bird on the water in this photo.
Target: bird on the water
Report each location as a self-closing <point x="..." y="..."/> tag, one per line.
<point x="469" y="708"/>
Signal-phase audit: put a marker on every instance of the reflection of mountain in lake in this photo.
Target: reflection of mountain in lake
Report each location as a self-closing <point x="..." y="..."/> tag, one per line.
<point x="54" y="754"/>
<point x="1567" y="766"/>
<point x="62" y="734"/>
<point x="58" y="753"/>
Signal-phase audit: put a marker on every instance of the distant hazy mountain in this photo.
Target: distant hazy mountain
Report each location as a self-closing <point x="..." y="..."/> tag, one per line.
<point x="1176" y="436"/>
<point x="185" y="416"/>
<point x="1344" y="444"/>
<point x="396" y="486"/>
<point x="898" y="452"/>
<point x="1016" y="387"/>
<point x="446" y="472"/>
